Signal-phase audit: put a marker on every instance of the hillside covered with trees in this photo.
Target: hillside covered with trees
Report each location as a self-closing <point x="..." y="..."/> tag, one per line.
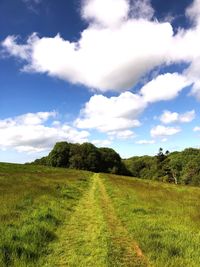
<point x="176" y="167"/>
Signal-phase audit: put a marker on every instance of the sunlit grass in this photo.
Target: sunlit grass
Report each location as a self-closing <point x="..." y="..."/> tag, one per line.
<point x="164" y="219"/>
<point x="59" y="217"/>
<point x="34" y="203"/>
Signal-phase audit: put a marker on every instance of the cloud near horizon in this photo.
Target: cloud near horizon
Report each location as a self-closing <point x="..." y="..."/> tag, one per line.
<point x="30" y="133"/>
<point x="116" y="49"/>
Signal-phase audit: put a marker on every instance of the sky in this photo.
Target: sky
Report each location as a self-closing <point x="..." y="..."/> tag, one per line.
<point x="123" y="74"/>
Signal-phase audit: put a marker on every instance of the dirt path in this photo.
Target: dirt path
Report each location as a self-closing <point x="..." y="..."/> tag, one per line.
<point x="94" y="236"/>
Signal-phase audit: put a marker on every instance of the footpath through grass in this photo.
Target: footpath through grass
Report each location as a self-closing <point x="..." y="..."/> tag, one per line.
<point x="94" y="236"/>
<point x="163" y="218"/>
<point x="57" y="217"/>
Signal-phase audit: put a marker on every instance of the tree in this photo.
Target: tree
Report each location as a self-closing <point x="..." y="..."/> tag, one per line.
<point x="191" y="172"/>
<point x="85" y="157"/>
<point x="59" y="156"/>
<point x="110" y="160"/>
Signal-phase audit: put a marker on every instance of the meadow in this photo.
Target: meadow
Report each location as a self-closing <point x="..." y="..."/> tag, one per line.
<point x="34" y="202"/>
<point x="62" y="217"/>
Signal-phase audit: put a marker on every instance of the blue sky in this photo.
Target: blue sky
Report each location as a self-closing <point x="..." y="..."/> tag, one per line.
<point x="117" y="73"/>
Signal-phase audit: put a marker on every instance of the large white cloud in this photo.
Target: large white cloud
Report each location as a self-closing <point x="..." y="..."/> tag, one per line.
<point x="111" y="114"/>
<point x="105" y="58"/>
<point x="121" y="43"/>
<point x="119" y="46"/>
<point x="119" y="113"/>
<point x="29" y="133"/>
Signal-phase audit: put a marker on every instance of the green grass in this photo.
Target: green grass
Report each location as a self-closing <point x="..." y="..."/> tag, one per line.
<point x="59" y="217"/>
<point x="164" y="219"/>
<point x="34" y="203"/>
<point x="83" y="239"/>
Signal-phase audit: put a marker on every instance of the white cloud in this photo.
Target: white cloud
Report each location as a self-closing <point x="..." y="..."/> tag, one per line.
<point x="121" y="113"/>
<point x="126" y="134"/>
<point x="29" y="133"/>
<point x="193" y="11"/>
<point x="103" y="58"/>
<point x="196" y="129"/>
<point x="161" y="131"/>
<point x="173" y="117"/>
<point x="101" y="143"/>
<point x="141" y="9"/>
<point x="99" y="11"/>
<point x="19" y="51"/>
<point x="145" y="142"/>
<point x="115" y="58"/>
<point x="111" y="114"/>
<point x="164" y="87"/>
<point x="34" y="118"/>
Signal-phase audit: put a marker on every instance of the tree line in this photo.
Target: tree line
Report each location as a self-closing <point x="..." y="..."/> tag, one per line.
<point x="177" y="167"/>
<point x="84" y="156"/>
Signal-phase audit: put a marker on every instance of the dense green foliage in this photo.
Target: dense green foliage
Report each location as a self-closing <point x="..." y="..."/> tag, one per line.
<point x="84" y="157"/>
<point x="178" y="167"/>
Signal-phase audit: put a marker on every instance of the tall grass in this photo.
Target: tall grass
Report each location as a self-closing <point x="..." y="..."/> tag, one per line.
<point x="164" y="219"/>
<point x="57" y="217"/>
<point x="34" y="203"/>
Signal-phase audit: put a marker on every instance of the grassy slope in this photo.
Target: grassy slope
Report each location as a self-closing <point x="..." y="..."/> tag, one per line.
<point x="94" y="236"/>
<point x="57" y="217"/>
<point x="164" y="219"/>
<point x="34" y="203"/>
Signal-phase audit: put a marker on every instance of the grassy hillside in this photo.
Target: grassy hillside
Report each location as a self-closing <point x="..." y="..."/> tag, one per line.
<point x="34" y="203"/>
<point x="60" y="217"/>
<point x="163" y="218"/>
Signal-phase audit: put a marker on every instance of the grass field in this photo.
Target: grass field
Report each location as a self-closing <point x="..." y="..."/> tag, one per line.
<point x="58" y="217"/>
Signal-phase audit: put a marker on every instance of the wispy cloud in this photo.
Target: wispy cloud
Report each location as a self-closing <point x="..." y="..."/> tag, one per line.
<point x="145" y="142"/>
<point x="32" y="5"/>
